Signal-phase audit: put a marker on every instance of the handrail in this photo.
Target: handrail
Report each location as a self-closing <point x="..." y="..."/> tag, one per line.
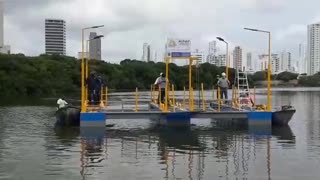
<point x="136" y="100"/>
<point x="254" y="96"/>
<point x="203" y="100"/>
<point x="219" y="99"/>
<point x="106" y="104"/>
<point x="173" y="99"/>
<point x="184" y="97"/>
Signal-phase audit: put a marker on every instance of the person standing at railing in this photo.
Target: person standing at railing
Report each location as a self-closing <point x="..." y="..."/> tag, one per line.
<point x="161" y="83"/>
<point x="224" y="84"/>
<point x="98" y="86"/>
<point x="94" y="86"/>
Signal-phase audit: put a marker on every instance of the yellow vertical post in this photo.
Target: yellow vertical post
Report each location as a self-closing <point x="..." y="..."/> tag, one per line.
<point x="151" y="95"/>
<point x="106" y="97"/>
<point x="173" y="98"/>
<point x="192" y="99"/>
<point x="232" y="100"/>
<point x="167" y="85"/>
<point x="83" y="108"/>
<point x="213" y="93"/>
<point x="184" y="97"/>
<point x="269" y="76"/>
<point x="219" y="99"/>
<point x="101" y="95"/>
<point x="203" y="100"/>
<point x="159" y="100"/>
<point x="190" y="84"/>
<point x="254" y="96"/>
<point x="136" y="100"/>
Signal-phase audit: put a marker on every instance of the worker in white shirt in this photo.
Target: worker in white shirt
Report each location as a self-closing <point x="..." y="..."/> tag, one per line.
<point x="161" y="83"/>
<point x="61" y="103"/>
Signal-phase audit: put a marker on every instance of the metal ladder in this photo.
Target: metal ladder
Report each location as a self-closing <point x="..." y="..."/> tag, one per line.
<point x="243" y="91"/>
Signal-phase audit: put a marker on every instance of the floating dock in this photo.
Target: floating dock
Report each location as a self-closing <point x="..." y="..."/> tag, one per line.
<point x="179" y="110"/>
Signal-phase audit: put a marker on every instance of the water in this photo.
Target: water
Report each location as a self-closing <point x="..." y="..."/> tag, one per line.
<point x="30" y="148"/>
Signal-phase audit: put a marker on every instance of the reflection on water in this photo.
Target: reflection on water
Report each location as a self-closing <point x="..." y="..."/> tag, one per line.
<point x="31" y="149"/>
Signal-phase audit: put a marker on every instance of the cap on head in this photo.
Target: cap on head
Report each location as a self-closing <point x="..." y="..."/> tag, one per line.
<point x="223" y="74"/>
<point x="161" y="74"/>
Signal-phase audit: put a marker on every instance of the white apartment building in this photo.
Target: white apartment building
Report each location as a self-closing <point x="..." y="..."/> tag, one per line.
<point x="313" y="49"/>
<point x="55" y="36"/>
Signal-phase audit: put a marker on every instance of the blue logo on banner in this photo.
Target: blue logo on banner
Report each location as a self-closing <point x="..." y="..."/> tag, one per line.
<point x="180" y="54"/>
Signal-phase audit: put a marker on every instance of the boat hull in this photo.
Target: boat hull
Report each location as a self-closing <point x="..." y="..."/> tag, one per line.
<point x="68" y="116"/>
<point x="282" y="117"/>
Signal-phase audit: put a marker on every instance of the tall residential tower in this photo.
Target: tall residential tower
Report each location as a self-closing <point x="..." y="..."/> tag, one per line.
<point x="95" y="47"/>
<point x="313" y="52"/>
<point x="55" y="34"/>
<point x="237" y="58"/>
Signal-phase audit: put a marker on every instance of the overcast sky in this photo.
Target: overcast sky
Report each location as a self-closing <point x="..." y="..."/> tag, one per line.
<point x="130" y="23"/>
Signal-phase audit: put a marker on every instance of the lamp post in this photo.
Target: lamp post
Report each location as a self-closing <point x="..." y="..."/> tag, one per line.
<point x="269" y="65"/>
<point x="83" y="108"/>
<point x="227" y="55"/>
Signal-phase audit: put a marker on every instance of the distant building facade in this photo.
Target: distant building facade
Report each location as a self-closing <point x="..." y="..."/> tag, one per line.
<point x="94" y="46"/>
<point x="55" y="36"/>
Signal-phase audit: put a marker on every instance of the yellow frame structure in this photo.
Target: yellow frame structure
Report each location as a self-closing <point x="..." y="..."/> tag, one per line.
<point x="168" y="58"/>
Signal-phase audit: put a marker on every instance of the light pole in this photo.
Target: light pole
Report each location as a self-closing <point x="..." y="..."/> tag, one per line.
<point x="83" y="108"/>
<point x="227" y="55"/>
<point x="269" y="65"/>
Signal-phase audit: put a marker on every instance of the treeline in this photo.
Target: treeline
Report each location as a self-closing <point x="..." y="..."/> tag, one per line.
<point x="54" y="75"/>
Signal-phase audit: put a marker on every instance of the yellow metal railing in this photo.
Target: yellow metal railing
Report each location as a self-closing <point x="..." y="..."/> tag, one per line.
<point x="254" y="97"/>
<point x="173" y="98"/>
<point x="184" y="97"/>
<point x="137" y="100"/>
<point x="203" y="100"/>
<point x="106" y="98"/>
<point x="219" y="101"/>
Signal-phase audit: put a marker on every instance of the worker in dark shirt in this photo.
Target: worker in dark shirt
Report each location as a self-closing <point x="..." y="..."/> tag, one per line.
<point x="91" y="85"/>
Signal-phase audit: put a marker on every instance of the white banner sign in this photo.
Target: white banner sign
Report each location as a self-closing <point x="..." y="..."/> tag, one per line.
<point x="178" y="45"/>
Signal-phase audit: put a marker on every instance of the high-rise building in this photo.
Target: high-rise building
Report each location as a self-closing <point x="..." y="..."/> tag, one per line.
<point x="94" y="46"/>
<point x="313" y="52"/>
<point x="55" y="34"/>
<point x="212" y="48"/>
<point x="221" y="60"/>
<point x="1" y="24"/>
<point x="3" y="48"/>
<point x="212" y="53"/>
<point x="199" y="55"/>
<point x="286" y="63"/>
<point x="302" y="63"/>
<point x="146" y="52"/>
<point x="237" y="58"/>
<point x="275" y="63"/>
<point x="249" y="61"/>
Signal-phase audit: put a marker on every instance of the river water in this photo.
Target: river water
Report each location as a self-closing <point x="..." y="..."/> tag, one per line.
<point x="30" y="148"/>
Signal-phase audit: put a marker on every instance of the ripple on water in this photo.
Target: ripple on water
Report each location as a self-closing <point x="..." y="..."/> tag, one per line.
<point x="137" y="149"/>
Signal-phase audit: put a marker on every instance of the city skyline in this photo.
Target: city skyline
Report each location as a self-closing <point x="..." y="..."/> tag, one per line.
<point x="124" y="38"/>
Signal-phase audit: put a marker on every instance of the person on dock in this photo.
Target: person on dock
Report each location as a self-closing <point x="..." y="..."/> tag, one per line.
<point x="61" y="103"/>
<point x="98" y="85"/>
<point x="224" y="84"/>
<point x="161" y="83"/>
<point x="93" y="86"/>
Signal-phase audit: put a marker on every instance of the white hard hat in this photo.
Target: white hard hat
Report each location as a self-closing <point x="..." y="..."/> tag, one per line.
<point x="223" y="74"/>
<point x="161" y="74"/>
